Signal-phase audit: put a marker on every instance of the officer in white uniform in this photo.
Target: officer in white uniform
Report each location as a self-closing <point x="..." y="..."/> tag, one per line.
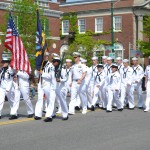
<point x="119" y="63"/>
<point x="138" y="74"/>
<point x="6" y="81"/>
<point x="47" y="86"/>
<point x="78" y="73"/>
<point x="99" y="81"/>
<point x="126" y="85"/>
<point x="113" y="89"/>
<point x="147" y="81"/>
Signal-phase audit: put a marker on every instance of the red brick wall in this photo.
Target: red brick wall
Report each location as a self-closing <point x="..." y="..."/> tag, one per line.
<point x="95" y="6"/>
<point x="54" y="6"/>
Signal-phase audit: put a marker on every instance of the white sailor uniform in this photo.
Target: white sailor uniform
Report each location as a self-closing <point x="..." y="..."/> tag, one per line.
<point x="47" y="86"/>
<point x="113" y="89"/>
<point x="138" y="74"/>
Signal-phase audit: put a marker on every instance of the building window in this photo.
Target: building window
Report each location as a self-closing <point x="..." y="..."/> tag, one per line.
<point x="117" y="23"/>
<point x="81" y="25"/>
<point x="99" y="25"/>
<point x="65" y="27"/>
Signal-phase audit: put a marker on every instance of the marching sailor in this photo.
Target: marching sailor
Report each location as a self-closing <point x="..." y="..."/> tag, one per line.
<point x="6" y="81"/>
<point x="62" y="90"/>
<point x="78" y="73"/>
<point x="22" y="88"/>
<point x="126" y="85"/>
<point x="99" y="81"/>
<point x="107" y="69"/>
<point x="104" y="61"/>
<point x="113" y="89"/>
<point x="147" y="80"/>
<point x="119" y="63"/>
<point x="47" y="86"/>
<point x="93" y="71"/>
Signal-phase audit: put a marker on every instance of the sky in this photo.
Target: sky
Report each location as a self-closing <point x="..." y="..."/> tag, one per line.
<point x="73" y="0"/>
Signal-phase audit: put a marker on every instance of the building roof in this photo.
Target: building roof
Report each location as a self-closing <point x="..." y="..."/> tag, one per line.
<point x="80" y="2"/>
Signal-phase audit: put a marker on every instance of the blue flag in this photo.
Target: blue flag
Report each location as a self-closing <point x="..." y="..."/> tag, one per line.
<point x="41" y="45"/>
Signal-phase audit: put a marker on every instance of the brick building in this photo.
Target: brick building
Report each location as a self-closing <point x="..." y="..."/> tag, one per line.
<point x="95" y="15"/>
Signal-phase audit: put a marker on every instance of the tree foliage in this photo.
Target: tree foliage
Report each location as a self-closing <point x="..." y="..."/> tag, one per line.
<point x="24" y="14"/>
<point x="83" y="43"/>
<point x="145" y="45"/>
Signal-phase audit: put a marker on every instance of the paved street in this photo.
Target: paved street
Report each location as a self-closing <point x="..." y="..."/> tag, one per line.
<point x="127" y="130"/>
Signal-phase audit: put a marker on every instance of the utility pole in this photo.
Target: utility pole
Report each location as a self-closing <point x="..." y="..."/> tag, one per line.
<point x="112" y="25"/>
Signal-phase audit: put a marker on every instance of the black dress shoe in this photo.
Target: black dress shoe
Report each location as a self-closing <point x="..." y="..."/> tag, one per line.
<point x="65" y="118"/>
<point x="140" y="108"/>
<point x="131" y="108"/>
<point x="103" y="108"/>
<point x="127" y="105"/>
<point x="92" y="108"/>
<point x="37" y="118"/>
<point x="31" y="116"/>
<point x="54" y="116"/>
<point x="97" y="105"/>
<point x="121" y="109"/>
<point x="12" y="117"/>
<point x="77" y="108"/>
<point x="48" y="119"/>
<point x="108" y="111"/>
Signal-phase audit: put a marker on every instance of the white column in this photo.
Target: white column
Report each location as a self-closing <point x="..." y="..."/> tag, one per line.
<point x="140" y="27"/>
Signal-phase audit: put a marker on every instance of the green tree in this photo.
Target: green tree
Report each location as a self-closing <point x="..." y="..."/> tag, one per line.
<point x="145" y="45"/>
<point x="24" y="14"/>
<point x="84" y="43"/>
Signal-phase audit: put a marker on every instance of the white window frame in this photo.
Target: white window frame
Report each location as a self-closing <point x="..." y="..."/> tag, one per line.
<point x="96" y="25"/>
<point x="65" y="33"/>
<point x="80" y="25"/>
<point x="115" y="24"/>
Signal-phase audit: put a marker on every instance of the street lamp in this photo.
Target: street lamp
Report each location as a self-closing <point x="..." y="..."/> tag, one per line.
<point x="112" y="25"/>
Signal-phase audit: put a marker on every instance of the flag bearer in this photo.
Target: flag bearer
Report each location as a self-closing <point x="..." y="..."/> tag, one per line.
<point x="47" y="86"/>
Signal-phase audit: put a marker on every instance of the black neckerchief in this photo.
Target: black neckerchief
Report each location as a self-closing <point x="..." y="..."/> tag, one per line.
<point x="98" y="75"/>
<point x="4" y="69"/>
<point x="93" y="69"/>
<point x="125" y="73"/>
<point x="67" y="72"/>
<point x="134" y="70"/>
<point x="108" y="69"/>
<point x="119" y="68"/>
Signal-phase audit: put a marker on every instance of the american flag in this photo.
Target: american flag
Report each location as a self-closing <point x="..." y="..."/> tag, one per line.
<point x="13" y="42"/>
